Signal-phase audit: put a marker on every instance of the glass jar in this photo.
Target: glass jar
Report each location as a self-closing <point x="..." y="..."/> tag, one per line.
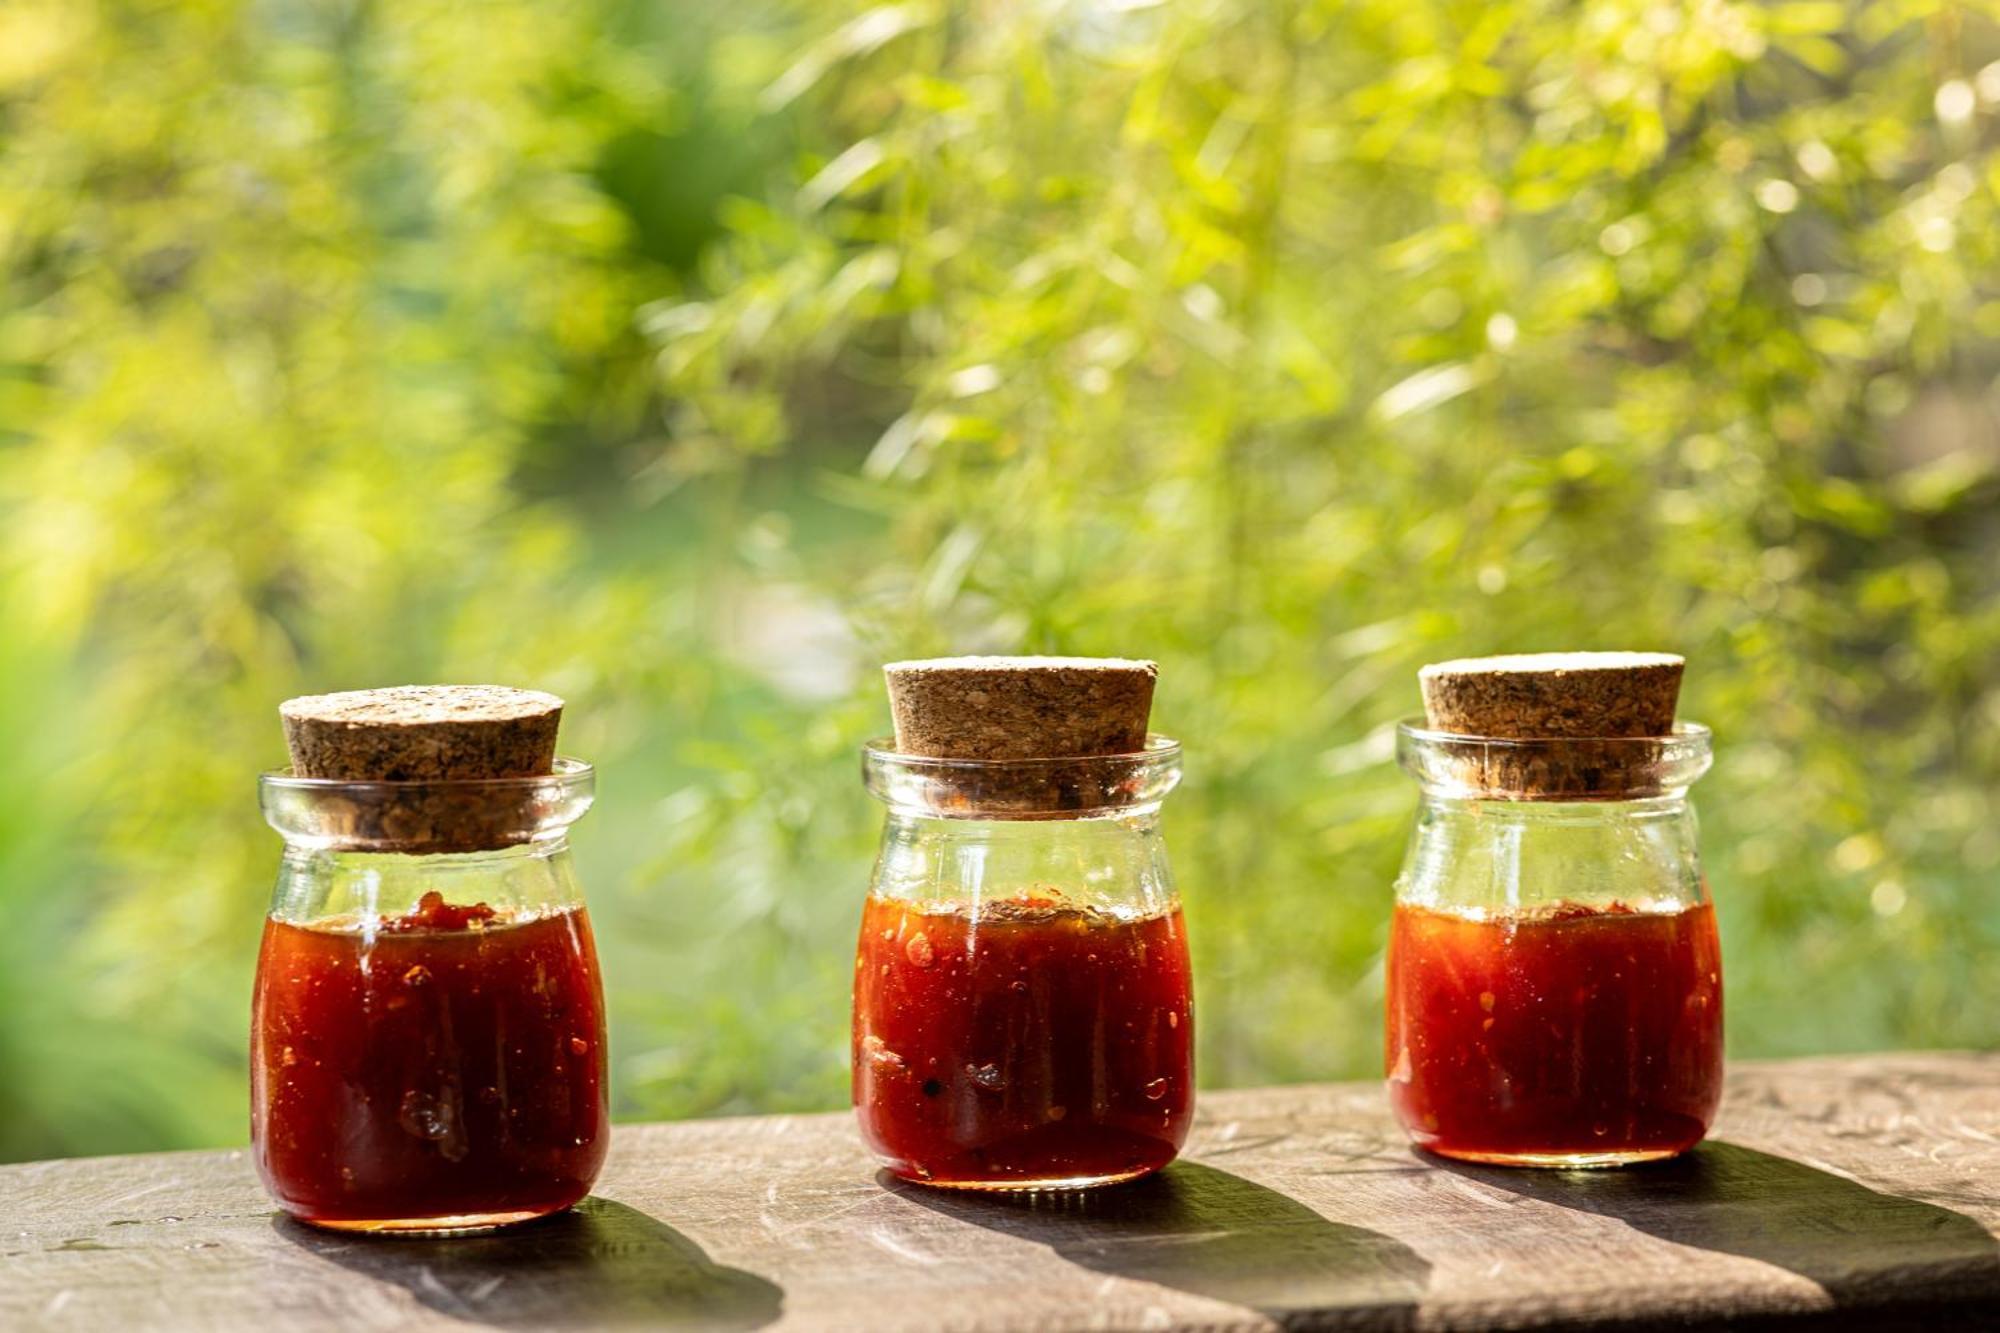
<point x="1022" y="1003"/>
<point x="1554" y="975"/>
<point x="427" y="1039"/>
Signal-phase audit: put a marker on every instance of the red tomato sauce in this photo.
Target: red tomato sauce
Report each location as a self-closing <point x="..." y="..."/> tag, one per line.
<point x="451" y="1066"/>
<point x="1034" y="1042"/>
<point x="1569" y="1031"/>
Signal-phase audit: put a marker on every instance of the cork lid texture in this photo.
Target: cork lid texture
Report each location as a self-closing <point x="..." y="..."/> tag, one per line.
<point x="422" y="733"/>
<point x="1081" y="720"/>
<point x="1020" y="707"/>
<point x="1554" y="694"/>
<point x="1564" y="726"/>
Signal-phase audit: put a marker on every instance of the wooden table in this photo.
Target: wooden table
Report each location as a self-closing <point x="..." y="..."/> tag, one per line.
<point x="1842" y="1193"/>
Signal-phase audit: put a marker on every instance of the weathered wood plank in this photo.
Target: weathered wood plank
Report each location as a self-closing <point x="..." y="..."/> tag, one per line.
<point x="1844" y="1192"/>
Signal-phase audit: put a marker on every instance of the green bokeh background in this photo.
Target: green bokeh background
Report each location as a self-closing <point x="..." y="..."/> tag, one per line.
<point x="690" y="359"/>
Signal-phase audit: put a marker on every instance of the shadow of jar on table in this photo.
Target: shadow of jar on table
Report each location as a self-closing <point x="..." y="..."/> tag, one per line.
<point x="601" y="1264"/>
<point x="1212" y="1234"/>
<point x="1884" y="1259"/>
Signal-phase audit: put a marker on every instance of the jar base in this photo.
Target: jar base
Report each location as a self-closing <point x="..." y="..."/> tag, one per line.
<point x="1559" y="1161"/>
<point x="427" y="1228"/>
<point x="1048" y="1184"/>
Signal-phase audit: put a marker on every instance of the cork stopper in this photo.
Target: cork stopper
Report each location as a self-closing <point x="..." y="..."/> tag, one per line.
<point x="1026" y="708"/>
<point x="1554" y="694"/>
<point x="1588" y="707"/>
<point x="429" y="736"/>
<point x="1020" y="707"/>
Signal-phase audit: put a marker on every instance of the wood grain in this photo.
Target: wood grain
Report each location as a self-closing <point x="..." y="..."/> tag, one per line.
<point x="1842" y="1193"/>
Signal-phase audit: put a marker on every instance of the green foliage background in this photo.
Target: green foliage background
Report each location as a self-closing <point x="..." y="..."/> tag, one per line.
<point x="688" y="360"/>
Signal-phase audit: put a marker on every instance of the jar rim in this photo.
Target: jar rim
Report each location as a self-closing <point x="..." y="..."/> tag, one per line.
<point x="1554" y="768"/>
<point x="1687" y="733"/>
<point x="567" y="773"/>
<point x="1158" y="749"/>
<point x="1040" y="787"/>
<point x="426" y="815"/>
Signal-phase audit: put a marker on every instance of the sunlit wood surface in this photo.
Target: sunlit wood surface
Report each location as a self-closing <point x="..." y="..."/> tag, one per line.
<point x="1851" y="1192"/>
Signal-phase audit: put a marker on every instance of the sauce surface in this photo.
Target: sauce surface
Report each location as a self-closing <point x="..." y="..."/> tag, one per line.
<point x="450" y="1066"/>
<point x="1570" y="1031"/>
<point x="1031" y="1041"/>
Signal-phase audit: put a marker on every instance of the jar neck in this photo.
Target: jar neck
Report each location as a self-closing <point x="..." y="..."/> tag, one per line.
<point x="1073" y="787"/>
<point x="1115" y="862"/>
<point x="357" y="853"/>
<point x="331" y="886"/>
<point x="971" y="831"/>
<point x="484" y="861"/>
<point x="1453" y="803"/>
